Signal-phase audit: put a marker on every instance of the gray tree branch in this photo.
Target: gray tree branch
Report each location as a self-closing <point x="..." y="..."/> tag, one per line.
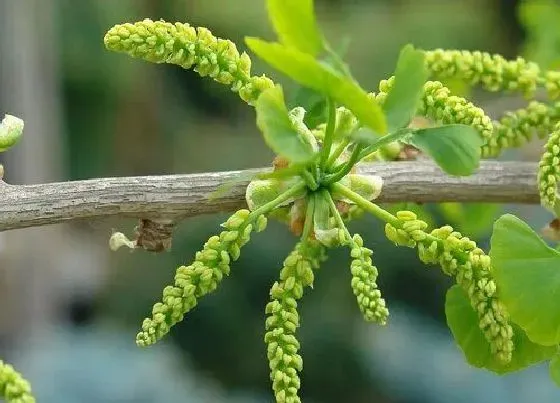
<point x="180" y="196"/>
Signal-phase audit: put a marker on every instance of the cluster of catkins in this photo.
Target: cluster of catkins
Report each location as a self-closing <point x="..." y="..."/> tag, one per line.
<point x="458" y="256"/>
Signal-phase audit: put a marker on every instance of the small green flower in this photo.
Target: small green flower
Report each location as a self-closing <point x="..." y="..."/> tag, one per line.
<point x="549" y="170"/>
<point x="188" y="47"/>
<point x="13" y="388"/>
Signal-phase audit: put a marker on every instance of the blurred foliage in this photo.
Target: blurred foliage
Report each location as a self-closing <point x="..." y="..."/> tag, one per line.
<point x="125" y="117"/>
<point x="540" y="19"/>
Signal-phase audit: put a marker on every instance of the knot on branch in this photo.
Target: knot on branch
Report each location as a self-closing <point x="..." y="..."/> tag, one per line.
<point x="154" y="235"/>
<point x="151" y="235"/>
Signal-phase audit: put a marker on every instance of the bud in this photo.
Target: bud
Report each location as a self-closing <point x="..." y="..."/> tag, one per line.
<point x="11" y="129"/>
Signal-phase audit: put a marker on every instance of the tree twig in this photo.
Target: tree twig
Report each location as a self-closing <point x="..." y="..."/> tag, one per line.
<point x="181" y="196"/>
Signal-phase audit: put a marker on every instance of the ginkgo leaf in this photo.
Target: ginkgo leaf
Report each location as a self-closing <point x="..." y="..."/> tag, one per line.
<point x="464" y="324"/>
<point x="527" y="273"/>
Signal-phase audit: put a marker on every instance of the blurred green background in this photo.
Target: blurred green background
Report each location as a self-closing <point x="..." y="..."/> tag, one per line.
<point x="70" y="310"/>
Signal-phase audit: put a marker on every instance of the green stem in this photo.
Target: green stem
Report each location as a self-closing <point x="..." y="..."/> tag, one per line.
<point x="366" y="205"/>
<point x="385" y="141"/>
<point x="308" y="225"/>
<point x="337" y="216"/>
<point x="367" y="151"/>
<point x="271" y="205"/>
<point x="309" y="179"/>
<point x="329" y="132"/>
<point x="336" y="153"/>
<point x="386" y="216"/>
<point x="346" y="168"/>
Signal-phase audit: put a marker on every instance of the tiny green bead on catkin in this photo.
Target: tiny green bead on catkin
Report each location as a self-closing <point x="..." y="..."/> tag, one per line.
<point x="202" y="277"/>
<point x="493" y="72"/>
<point x="283" y="319"/>
<point x="13" y="388"/>
<point x="518" y="127"/>
<point x="459" y="256"/>
<point x="549" y="170"/>
<point x="552" y="84"/>
<point x="189" y="47"/>
<point x="364" y="285"/>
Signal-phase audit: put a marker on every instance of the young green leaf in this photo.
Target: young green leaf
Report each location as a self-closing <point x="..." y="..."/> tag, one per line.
<point x="527" y="273"/>
<point x="307" y="71"/>
<point x="314" y="103"/>
<point x="295" y="25"/>
<point x="277" y="128"/>
<point x="463" y="322"/>
<point x="455" y="148"/>
<point x="410" y="76"/>
<point x="554" y="369"/>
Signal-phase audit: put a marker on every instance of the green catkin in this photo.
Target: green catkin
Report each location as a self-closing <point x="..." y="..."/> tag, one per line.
<point x="549" y="170"/>
<point x="13" y="388"/>
<point x="552" y="84"/>
<point x="459" y="257"/>
<point x="202" y="277"/>
<point x="188" y="47"/>
<point x="518" y="127"/>
<point x="493" y="72"/>
<point x="438" y="104"/>
<point x="364" y="283"/>
<point x="512" y="130"/>
<point x="283" y="319"/>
